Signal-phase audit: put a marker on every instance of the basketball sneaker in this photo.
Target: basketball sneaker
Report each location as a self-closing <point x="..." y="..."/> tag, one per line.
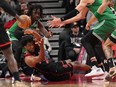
<point x="95" y="71"/>
<point x="16" y="83"/>
<point x="34" y="78"/>
<point x="100" y="77"/>
<point x="19" y="84"/>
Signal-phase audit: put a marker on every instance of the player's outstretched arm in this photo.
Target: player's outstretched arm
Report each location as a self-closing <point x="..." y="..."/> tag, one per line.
<point x="75" y="15"/>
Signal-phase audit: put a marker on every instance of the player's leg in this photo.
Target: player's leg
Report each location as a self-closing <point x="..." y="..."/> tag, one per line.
<point x="109" y="54"/>
<point x="7" y="51"/>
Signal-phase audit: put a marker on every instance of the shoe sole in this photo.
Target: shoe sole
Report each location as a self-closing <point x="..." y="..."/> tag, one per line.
<point x="93" y="76"/>
<point x="98" y="78"/>
<point x="110" y="77"/>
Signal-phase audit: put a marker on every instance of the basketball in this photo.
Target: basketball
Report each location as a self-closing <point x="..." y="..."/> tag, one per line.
<point x="26" y="22"/>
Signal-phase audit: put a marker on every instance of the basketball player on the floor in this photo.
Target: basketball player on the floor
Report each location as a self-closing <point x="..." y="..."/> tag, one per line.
<point x="53" y="71"/>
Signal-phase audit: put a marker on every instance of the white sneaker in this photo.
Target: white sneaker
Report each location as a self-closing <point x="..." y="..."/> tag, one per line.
<point x="19" y="84"/>
<point x="95" y="72"/>
<point x="34" y="78"/>
<point x="100" y="77"/>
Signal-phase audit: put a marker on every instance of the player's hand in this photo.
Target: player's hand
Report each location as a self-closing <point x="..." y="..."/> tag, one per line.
<point x="55" y="22"/>
<point x="61" y="24"/>
<point x="19" y="18"/>
<point x="28" y="31"/>
<point x="50" y="32"/>
<point x="88" y="26"/>
<point x="41" y="42"/>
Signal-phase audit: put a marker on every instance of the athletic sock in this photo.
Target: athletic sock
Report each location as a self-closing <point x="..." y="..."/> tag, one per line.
<point x="16" y="76"/>
<point x="95" y="63"/>
<point x="111" y="62"/>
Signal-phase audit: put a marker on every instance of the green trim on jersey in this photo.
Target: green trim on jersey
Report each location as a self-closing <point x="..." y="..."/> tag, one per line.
<point x="103" y="29"/>
<point x="114" y="34"/>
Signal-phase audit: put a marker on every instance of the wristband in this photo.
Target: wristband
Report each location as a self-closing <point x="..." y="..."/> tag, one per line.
<point x="97" y="15"/>
<point x="70" y="15"/>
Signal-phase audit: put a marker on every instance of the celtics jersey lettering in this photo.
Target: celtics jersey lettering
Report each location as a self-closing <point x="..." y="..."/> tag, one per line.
<point x="107" y="14"/>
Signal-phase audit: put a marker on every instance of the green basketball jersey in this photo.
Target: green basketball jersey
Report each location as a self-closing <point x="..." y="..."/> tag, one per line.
<point x="11" y="31"/>
<point x="107" y="14"/>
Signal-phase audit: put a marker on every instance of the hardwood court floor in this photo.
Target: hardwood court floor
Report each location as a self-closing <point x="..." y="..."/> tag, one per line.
<point x="75" y="81"/>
